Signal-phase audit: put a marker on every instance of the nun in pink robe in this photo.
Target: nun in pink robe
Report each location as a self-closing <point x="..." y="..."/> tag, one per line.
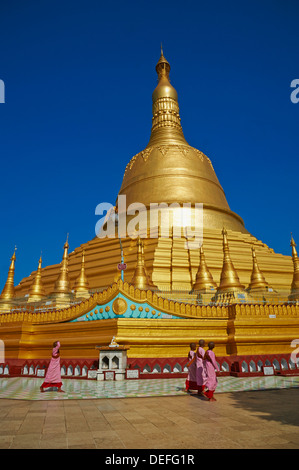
<point x="201" y="375"/>
<point x="211" y="367"/>
<point x="53" y="375"/>
<point x="191" y="379"/>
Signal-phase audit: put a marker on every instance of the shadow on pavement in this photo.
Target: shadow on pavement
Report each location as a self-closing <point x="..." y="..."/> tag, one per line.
<point x="279" y="405"/>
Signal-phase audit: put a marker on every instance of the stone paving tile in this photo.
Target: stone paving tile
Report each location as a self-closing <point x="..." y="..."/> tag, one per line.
<point x="244" y="420"/>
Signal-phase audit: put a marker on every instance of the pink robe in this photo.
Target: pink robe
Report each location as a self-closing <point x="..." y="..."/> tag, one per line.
<point x="53" y="375"/>
<point x="201" y="375"/>
<point x="191" y="379"/>
<point x="211" y="365"/>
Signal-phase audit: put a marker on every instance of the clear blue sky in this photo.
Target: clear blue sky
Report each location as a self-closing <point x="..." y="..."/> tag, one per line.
<point x="79" y="78"/>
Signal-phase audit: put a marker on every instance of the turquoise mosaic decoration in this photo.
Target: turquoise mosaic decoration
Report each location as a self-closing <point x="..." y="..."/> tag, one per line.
<point x="123" y="307"/>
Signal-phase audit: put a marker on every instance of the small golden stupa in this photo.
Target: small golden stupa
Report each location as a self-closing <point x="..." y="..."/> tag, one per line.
<point x="8" y="293"/>
<point x="81" y="286"/>
<point x="140" y="278"/>
<point x="257" y="280"/>
<point x="295" y="282"/>
<point x="204" y="281"/>
<point x="62" y="290"/>
<point x="37" y="292"/>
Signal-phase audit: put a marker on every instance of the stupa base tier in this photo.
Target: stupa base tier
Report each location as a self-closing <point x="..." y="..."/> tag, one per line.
<point x="245" y="340"/>
<point x="170" y="265"/>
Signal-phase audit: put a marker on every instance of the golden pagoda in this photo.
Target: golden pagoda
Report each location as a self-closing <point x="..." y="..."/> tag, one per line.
<point x="62" y="291"/>
<point x="140" y="278"/>
<point x="295" y="282"/>
<point x="170" y="170"/>
<point x="204" y="281"/>
<point x="37" y="292"/>
<point x="8" y="292"/>
<point x="154" y="309"/>
<point x="81" y="287"/>
<point x="229" y="280"/>
<point x="257" y="280"/>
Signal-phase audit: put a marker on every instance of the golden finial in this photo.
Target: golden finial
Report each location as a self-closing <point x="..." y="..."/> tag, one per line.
<point x="229" y="280"/>
<point x="293" y="245"/>
<point x="8" y="292"/>
<point x="204" y="280"/>
<point x="36" y="292"/>
<point x="165" y="98"/>
<point x="81" y="286"/>
<point x="66" y="245"/>
<point x="140" y="278"/>
<point x="257" y="281"/>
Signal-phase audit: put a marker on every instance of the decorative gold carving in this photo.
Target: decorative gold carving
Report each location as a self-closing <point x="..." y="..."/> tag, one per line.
<point x="119" y="306"/>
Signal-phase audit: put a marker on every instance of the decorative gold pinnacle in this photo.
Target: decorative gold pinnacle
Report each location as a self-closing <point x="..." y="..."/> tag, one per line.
<point x="295" y="282"/>
<point x="140" y="278"/>
<point x="62" y="284"/>
<point x="229" y="280"/>
<point x="36" y="292"/>
<point x="81" y="286"/>
<point x="165" y="102"/>
<point x="257" y="281"/>
<point x="204" y="280"/>
<point x="8" y="292"/>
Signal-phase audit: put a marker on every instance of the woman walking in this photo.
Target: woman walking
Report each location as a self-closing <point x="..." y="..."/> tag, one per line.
<point x="211" y="367"/>
<point x="53" y="375"/>
<point x="201" y="375"/>
<point x="191" y="379"/>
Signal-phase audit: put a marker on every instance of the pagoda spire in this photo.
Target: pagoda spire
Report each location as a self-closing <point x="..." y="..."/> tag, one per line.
<point x="62" y="284"/>
<point x="229" y="280"/>
<point x="8" y="292"/>
<point x="81" y="286"/>
<point x="295" y="282"/>
<point x="166" y="121"/>
<point x="37" y="291"/>
<point x="257" y="281"/>
<point x="140" y="279"/>
<point x="204" y="280"/>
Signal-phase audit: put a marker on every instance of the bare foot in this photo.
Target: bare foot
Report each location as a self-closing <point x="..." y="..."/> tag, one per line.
<point x="61" y="391"/>
<point x="212" y="399"/>
<point x="41" y="389"/>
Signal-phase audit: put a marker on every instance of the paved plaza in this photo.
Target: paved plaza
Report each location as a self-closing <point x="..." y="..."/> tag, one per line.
<point x="253" y="413"/>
